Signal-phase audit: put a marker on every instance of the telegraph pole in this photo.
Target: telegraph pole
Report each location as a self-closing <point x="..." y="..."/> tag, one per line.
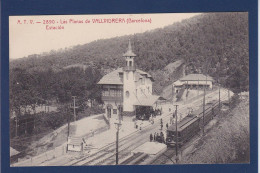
<point x="228" y="99"/>
<point x="204" y="100"/>
<point x="74" y="109"/>
<point x="16" y="125"/>
<point x="117" y="136"/>
<point x="218" y="84"/>
<point x="198" y="87"/>
<point x="68" y="113"/>
<point x="172" y="93"/>
<point x="219" y="96"/>
<point x="176" y="132"/>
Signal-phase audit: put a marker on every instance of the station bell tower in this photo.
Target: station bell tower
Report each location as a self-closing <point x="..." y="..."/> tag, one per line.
<point x="129" y="69"/>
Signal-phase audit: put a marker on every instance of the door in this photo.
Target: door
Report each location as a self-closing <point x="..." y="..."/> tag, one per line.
<point x="109" y="112"/>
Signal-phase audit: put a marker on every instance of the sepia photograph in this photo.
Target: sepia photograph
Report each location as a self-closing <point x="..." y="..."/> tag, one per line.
<point x="129" y="89"/>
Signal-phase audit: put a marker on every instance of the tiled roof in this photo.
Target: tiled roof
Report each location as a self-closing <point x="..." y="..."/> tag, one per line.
<point x="195" y="77"/>
<point x="144" y="73"/>
<point x="137" y="76"/>
<point x="113" y="77"/>
<point x="178" y="83"/>
<point x="129" y="51"/>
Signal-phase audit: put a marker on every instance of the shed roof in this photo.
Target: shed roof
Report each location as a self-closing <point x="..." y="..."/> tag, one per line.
<point x="13" y="152"/>
<point x="148" y="100"/>
<point x="178" y="83"/>
<point x="75" y="141"/>
<point x="196" y="77"/>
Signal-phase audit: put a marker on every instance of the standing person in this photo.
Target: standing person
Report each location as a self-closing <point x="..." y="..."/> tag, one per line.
<point x="163" y="138"/>
<point x="157" y="136"/>
<point x="161" y="126"/>
<point x="166" y="125"/>
<point x="151" y="137"/>
<point x="154" y="136"/>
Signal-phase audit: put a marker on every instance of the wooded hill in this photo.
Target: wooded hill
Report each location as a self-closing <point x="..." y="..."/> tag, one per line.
<point x="213" y="42"/>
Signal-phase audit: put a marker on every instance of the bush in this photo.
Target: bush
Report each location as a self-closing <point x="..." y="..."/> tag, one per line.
<point x="54" y="120"/>
<point x="228" y="141"/>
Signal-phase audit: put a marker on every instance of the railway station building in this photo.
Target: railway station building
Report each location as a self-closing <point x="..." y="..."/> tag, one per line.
<point x="126" y="88"/>
<point x="193" y="81"/>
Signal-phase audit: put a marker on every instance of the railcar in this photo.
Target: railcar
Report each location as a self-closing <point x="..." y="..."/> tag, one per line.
<point x="190" y="125"/>
<point x="187" y="128"/>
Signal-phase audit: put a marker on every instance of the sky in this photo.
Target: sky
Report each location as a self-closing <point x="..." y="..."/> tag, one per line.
<point x="33" y="36"/>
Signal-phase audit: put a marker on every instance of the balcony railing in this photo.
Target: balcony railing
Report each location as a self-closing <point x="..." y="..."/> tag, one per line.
<point x="112" y="98"/>
<point x="129" y="68"/>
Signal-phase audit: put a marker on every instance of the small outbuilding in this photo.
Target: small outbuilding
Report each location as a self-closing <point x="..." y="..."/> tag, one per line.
<point x="14" y="155"/>
<point x="75" y="144"/>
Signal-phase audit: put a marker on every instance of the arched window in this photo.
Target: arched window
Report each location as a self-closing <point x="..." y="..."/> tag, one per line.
<point x="127" y="94"/>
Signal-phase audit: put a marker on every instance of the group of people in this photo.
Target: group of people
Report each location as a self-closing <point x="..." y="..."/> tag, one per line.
<point x="138" y="126"/>
<point x="157" y="137"/>
<point x="161" y="124"/>
<point x="156" y="112"/>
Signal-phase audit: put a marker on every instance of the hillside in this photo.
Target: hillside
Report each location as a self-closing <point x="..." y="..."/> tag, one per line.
<point x="200" y="42"/>
<point x="227" y="141"/>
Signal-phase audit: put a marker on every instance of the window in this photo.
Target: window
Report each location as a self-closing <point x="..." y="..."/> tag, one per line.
<point x="130" y="63"/>
<point x="105" y="92"/>
<point x="143" y="80"/>
<point x="119" y="93"/>
<point x="112" y="92"/>
<point x="127" y="94"/>
<point x="114" y="111"/>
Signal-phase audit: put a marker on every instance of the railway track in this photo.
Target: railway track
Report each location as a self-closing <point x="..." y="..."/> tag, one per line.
<point x="106" y="155"/>
<point x="170" y="153"/>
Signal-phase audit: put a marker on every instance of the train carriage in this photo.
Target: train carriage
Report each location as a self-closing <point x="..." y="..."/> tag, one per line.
<point x="191" y="124"/>
<point x="187" y="128"/>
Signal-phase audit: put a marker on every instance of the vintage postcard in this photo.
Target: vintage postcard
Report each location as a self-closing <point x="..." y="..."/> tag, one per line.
<point x="129" y="89"/>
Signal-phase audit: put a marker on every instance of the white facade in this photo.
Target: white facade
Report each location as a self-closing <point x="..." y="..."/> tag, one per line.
<point x="135" y="88"/>
<point x="125" y="87"/>
<point x="136" y="83"/>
